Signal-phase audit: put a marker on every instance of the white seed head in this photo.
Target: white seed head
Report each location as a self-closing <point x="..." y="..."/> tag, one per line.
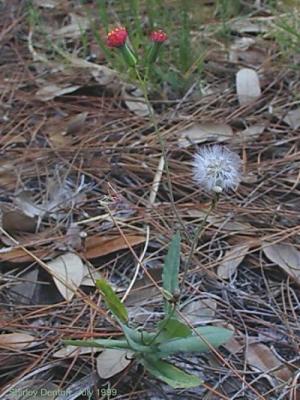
<point x="216" y="168"/>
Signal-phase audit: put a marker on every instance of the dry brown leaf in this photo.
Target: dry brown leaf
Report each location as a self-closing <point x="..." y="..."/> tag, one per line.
<point x="234" y="345"/>
<point x="49" y="92"/>
<point x="231" y="261"/>
<point x="144" y="290"/>
<point x="293" y="118"/>
<point x="250" y="133"/>
<point x="47" y="3"/>
<point x="200" y="133"/>
<point x="253" y="25"/>
<point x="98" y="246"/>
<point x="90" y="276"/>
<point x="17" y="341"/>
<point x="18" y="255"/>
<point x="72" y="351"/>
<point x="76" y="123"/>
<point x="14" y="220"/>
<point x="222" y="222"/>
<point x="67" y="271"/>
<point x="261" y="358"/>
<point x="77" y="26"/>
<point x="247" y="86"/>
<point x="200" y="311"/>
<point x="135" y="103"/>
<point x="112" y="361"/>
<point x="286" y="257"/>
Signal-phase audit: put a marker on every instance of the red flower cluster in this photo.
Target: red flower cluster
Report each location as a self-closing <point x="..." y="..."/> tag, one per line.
<point x="117" y="37"/>
<point x="158" y="36"/>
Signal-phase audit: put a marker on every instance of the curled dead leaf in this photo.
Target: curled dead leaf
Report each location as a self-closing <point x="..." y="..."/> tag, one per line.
<point x="112" y="361"/>
<point x="231" y="261"/>
<point x="67" y="271"/>
<point x="260" y="357"/>
<point x="287" y="257"/>
<point x="17" y="341"/>
<point x="200" y="133"/>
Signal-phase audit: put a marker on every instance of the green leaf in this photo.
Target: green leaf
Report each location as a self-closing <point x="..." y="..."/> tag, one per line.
<point x="172" y="328"/>
<point x="171" y="269"/>
<point x="170" y="374"/>
<point x="135" y="340"/>
<point x="215" y="336"/>
<point x="102" y="343"/>
<point x="112" y="300"/>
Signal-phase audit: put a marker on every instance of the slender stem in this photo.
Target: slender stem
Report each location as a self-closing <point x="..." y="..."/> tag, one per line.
<point x="143" y="84"/>
<point x="165" y="322"/>
<point x="197" y="236"/>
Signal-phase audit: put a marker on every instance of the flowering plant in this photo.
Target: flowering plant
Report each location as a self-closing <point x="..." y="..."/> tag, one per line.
<point x="170" y="336"/>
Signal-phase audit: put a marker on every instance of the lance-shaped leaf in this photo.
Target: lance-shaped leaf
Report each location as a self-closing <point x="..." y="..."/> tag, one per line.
<point x="112" y="300"/>
<point x="172" y="328"/>
<point x="100" y="343"/>
<point x="199" y="342"/>
<point x="171" y="269"/>
<point x="170" y="374"/>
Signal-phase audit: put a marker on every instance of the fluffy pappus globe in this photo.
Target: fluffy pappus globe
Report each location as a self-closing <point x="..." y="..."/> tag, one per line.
<point x="216" y="168"/>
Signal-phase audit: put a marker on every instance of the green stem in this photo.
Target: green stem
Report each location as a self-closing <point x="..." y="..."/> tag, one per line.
<point x="143" y="84"/>
<point x="197" y="236"/>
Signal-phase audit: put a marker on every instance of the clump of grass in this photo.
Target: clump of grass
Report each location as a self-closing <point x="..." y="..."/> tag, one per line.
<point x="287" y="33"/>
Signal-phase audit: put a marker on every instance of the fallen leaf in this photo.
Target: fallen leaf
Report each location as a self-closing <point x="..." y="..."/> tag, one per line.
<point x="292" y="118"/>
<point x="112" y="361"/>
<point x="14" y="220"/>
<point x="76" y="123"/>
<point x="17" y="341"/>
<point x="234" y="345"/>
<point x="51" y="91"/>
<point x="231" y="261"/>
<point x="253" y="25"/>
<point x="247" y="86"/>
<point x="260" y="357"/>
<point x="200" y="133"/>
<point x="136" y="103"/>
<point x="18" y="255"/>
<point x="67" y="271"/>
<point x="222" y="222"/>
<point x="46" y="3"/>
<point x="286" y="257"/>
<point x="144" y="290"/>
<point x="75" y="29"/>
<point x="200" y="311"/>
<point x="98" y="246"/>
<point x="24" y="287"/>
<point x="250" y="133"/>
<point x="72" y="351"/>
<point x="90" y="276"/>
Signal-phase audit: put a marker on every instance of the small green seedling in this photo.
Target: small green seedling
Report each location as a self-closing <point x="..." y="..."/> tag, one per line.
<point x="171" y="336"/>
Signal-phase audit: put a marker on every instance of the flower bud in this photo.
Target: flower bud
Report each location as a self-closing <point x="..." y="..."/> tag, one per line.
<point x="117" y="38"/>
<point x="157" y="38"/>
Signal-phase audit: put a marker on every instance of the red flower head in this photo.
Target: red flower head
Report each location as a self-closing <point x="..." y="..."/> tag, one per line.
<point x="117" y="37"/>
<point x="158" y="36"/>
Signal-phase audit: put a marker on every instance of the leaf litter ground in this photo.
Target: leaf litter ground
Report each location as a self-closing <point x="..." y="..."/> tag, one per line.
<point x="76" y="170"/>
